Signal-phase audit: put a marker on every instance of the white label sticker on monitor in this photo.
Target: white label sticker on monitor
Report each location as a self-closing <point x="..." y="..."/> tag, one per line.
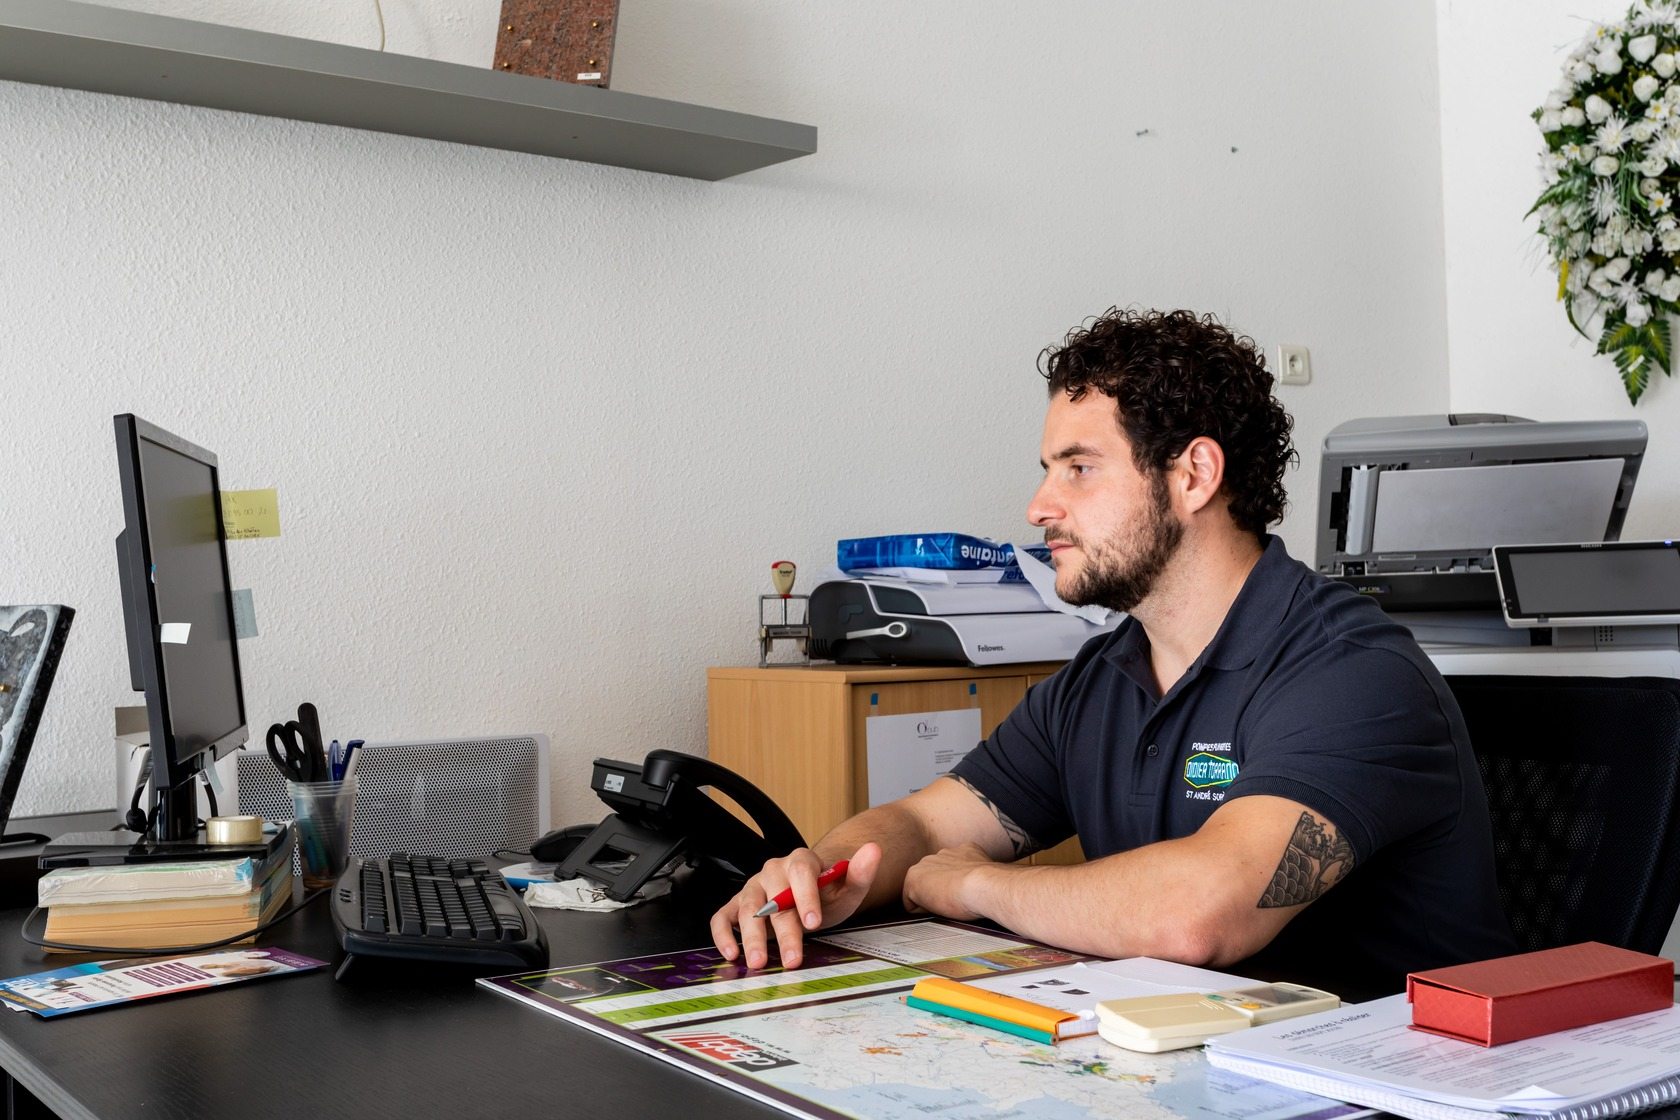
<point x="614" y="783"/>
<point x="174" y="633"/>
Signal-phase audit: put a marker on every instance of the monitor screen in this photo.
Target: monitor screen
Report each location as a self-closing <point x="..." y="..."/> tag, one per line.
<point x="178" y="605"/>
<point x="1638" y="579"/>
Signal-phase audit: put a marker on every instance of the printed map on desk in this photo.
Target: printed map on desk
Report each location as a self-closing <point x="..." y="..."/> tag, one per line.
<point x="834" y="1039"/>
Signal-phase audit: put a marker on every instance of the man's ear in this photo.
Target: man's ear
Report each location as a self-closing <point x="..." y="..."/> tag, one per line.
<point x="1199" y="473"/>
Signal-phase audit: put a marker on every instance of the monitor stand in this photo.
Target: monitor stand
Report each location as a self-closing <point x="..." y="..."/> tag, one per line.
<point x="120" y="846"/>
<point x="23" y="838"/>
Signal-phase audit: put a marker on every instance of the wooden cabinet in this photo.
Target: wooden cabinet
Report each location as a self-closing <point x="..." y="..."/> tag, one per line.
<point x="800" y="733"/>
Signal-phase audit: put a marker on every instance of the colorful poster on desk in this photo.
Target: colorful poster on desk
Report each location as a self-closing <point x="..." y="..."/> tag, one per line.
<point x="834" y="1039"/>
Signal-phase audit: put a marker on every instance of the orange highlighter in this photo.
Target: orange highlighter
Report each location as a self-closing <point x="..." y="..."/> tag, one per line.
<point x="784" y="897"/>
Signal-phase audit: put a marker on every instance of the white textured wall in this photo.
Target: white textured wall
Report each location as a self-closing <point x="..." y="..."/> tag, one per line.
<point x="538" y="427"/>
<point x="1511" y="348"/>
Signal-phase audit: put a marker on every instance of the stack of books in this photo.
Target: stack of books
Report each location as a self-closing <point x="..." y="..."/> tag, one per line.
<point x="162" y="905"/>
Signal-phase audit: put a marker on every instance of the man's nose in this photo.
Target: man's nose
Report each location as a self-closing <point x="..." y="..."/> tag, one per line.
<point x="1043" y="509"/>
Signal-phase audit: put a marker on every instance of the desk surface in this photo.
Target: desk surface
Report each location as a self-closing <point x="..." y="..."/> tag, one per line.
<point x="385" y="1043"/>
<point x="401" y="1042"/>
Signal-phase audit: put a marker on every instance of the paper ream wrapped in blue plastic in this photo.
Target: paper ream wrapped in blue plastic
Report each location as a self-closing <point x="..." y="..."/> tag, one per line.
<point x="948" y="551"/>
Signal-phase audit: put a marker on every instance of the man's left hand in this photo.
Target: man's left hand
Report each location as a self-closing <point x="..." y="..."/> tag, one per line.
<point x="944" y="883"/>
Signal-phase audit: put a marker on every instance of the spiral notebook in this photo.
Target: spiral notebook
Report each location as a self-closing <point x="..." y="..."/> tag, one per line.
<point x="1368" y="1054"/>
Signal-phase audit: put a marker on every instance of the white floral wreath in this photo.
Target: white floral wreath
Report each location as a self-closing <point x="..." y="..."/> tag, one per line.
<point x="1612" y="180"/>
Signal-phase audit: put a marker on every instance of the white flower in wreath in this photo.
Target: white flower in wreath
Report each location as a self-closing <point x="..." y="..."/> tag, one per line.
<point x="1640" y="131"/>
<point x="1572" y="117"/>
<point x="1608" y="63"/>
<point x="1555" y="101"/>
<point x="1637" y="311"/>
<point x="1654" y="281"/>
<point x="1637" y="242"/>
<point x="1658" y="113"/>
<point x="1606" y="203"/>
<point x="1550" y="121"/>
<point x="1666" y="147"/>
<point x="1580" y="72"/>
<point x="1672" y="95"/>
<point x="1578" y="243"/>
<point x="1646" y="86"/>
<point x="1663" y="64"/>
<point x="1669" y="240"/>
<point x="1605" y="165"/>
<point x="1670" y="289"/>
<point x="1604" y="242"/>
<point x="1611" y="135"/>
<point x="1597" y="108"/>
<point x="1642" y="48"/>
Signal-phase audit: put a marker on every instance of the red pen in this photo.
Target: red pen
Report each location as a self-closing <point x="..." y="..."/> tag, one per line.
<point x="784" y="898"/>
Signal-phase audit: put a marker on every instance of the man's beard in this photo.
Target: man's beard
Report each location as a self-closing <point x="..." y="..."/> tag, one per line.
<point x="1121" y="571"/>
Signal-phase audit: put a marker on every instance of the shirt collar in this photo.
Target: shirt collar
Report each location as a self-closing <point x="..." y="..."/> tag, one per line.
<point x="1253" y="619"/>
<point x="1254" y="616"/>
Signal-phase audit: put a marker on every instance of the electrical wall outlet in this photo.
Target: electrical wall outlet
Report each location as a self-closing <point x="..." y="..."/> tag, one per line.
<point x="1294" y="364"/>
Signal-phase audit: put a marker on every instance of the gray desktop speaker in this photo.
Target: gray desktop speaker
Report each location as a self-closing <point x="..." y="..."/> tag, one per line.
<point x="457" y="798"/>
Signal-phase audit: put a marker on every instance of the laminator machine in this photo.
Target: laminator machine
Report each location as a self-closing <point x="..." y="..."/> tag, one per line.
<point x="866" y="620"/>
<point x="1411" y="507"/>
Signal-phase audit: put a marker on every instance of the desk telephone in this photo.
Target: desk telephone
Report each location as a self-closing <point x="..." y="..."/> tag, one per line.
<point x="662" y="811"/>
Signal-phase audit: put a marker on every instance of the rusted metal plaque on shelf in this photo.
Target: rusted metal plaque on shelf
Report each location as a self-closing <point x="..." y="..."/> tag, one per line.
<point x="568" y="40"/>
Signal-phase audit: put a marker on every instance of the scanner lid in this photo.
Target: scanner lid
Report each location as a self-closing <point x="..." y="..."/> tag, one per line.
<point x="1435" y="493"/>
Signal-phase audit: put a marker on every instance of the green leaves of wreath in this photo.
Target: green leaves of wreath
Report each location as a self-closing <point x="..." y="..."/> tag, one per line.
<point x="1636" y="351"/>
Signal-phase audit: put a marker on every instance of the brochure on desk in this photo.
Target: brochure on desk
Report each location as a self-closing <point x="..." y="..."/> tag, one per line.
<point x="834" y="1038"/>
<point x="84" y="987"/>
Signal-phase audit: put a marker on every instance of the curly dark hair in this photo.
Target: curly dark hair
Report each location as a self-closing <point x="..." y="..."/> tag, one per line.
<point x="1173" y="377"/>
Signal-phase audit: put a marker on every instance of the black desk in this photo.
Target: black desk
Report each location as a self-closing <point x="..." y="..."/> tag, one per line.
<point x="385" y="1043"/>
<point x="390" y="1042"/>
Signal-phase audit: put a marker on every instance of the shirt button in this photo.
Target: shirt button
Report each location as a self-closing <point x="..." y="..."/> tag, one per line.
<point x="1152" y="750"/>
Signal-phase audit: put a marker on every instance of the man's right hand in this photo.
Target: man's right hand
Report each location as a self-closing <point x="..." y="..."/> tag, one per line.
<point x="813" y="907"/>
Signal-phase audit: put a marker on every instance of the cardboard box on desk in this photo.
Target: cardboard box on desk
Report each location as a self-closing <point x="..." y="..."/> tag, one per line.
<point x="1529" y="994"/>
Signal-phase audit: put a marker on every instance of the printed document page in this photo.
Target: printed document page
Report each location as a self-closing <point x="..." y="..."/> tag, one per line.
<point x="1373" y="1044"/>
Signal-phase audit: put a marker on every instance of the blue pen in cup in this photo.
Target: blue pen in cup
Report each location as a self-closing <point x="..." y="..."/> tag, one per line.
<point x="335" y="761"/>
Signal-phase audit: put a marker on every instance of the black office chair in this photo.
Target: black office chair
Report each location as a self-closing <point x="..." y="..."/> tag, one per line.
<point x="1583" y="781"/>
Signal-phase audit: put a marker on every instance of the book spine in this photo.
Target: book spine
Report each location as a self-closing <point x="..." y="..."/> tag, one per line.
<point x="981" y="1020"/>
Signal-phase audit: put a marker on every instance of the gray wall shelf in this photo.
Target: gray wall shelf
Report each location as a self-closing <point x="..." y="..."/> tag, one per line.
<point x="135" y="54"/>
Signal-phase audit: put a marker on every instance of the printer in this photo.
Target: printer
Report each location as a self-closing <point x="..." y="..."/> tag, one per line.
<point x="890" y="620"/>
<point x="1410" y="507"/>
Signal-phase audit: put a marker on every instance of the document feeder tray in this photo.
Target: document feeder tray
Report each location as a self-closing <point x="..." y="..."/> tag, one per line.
<point x="1410" y="507"/>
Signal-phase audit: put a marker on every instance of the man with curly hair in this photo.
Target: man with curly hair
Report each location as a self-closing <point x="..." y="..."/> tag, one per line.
<point x="1263" y="770"/>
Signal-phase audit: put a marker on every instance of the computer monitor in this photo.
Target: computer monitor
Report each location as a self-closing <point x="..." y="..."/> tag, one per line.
<point x="178" y="615"/>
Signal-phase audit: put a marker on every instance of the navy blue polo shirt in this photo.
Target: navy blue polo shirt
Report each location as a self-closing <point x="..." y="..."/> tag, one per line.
<point x="1308" y="691"/>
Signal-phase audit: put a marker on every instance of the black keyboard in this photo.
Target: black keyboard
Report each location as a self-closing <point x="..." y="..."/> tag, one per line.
<point x="446" y="911"/>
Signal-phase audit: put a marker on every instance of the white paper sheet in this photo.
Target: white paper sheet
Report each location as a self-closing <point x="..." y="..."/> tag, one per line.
<point x="1373" y="1044"/>
<point x="907" y="752"/>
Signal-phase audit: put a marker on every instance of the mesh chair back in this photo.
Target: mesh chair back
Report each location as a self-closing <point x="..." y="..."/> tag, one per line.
<point x="1582" y="777"/>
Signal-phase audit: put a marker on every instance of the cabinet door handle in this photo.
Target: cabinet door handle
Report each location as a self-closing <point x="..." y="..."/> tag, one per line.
<point x="890" y="630"/>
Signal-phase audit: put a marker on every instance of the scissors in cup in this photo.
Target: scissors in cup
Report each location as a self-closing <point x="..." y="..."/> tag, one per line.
<point x="295" y="746"/>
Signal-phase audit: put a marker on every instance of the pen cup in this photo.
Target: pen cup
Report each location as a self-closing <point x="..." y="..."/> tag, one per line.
<point x="322" y="812"/>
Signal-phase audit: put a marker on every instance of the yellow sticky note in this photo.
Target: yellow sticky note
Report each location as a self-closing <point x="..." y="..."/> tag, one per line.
<point x="249" y="514"/>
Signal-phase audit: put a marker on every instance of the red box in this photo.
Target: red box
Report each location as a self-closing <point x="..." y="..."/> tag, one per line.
<point x="1512" y="998"/>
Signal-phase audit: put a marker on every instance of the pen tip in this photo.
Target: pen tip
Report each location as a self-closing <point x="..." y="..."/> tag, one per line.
<point x="766" y="910"/>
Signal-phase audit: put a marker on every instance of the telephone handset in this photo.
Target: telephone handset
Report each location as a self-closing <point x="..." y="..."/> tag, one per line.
<point x="661" y="811"/>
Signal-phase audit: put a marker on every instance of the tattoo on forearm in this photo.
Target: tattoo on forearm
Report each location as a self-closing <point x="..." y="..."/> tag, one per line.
<point x="1019" y="842"/>
<point x="1316" y="859"/>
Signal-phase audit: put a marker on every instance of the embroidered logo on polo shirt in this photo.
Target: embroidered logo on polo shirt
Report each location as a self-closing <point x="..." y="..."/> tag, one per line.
<point x="1203" y="770"/>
